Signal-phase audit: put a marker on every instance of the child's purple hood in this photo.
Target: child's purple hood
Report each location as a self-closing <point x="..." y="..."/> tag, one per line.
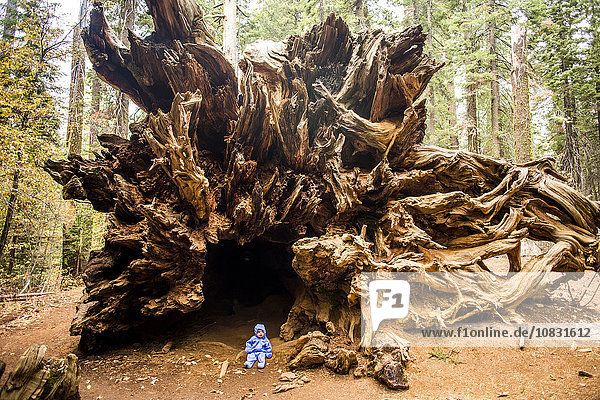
<point x="261" y="327"/>
<point x="256" y="344"/>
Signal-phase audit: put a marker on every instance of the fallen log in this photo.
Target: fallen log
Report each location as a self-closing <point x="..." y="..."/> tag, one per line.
<point x="36" y="378"/>
<point x="316" y="168"/>
<point x="23" y="296"/>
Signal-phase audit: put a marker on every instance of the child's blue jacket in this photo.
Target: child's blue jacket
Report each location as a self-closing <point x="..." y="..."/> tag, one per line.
<point x="259" y="345"/>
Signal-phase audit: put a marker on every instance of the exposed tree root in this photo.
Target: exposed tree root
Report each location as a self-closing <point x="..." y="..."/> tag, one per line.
<point x="320" y="152"/>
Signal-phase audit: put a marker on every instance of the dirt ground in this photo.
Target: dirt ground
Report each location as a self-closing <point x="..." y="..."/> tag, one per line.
<point x="190" y="369"/>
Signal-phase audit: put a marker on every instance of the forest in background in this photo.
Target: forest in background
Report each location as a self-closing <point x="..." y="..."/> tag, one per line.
<point x="520" y="82"/>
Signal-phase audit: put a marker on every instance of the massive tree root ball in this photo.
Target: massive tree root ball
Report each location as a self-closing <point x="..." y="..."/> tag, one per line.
<point x="315" y="157"/>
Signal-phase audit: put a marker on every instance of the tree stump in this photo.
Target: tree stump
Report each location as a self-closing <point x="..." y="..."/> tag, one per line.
<point x="36" y="378"/>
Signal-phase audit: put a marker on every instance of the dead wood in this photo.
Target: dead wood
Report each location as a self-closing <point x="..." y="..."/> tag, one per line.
<point x="321" y="152"/>
<point x="36" y="378"/>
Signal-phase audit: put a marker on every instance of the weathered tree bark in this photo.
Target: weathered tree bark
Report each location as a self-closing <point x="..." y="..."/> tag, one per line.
<point x="322" y="156"/>
<point x="520" y="86"/>
<point x="36" y="378"/>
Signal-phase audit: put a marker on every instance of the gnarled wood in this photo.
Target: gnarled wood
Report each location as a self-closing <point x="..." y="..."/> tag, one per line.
<point x="321" y="154"/>
<point x="36" y="378"/>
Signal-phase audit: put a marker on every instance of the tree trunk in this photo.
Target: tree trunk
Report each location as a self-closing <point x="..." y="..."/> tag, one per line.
<point x="520" y="88"/>
<point x="571" y="161"/>
<point x="416" y="12"/>
<point x="317" y="174"/>
<point x="597" y="69"/>
<point x="122" y="115"/>
<point x="472" y="135"/>
<point x="497" y="149"/>
<point x="360" y="11"/>
<point x="454" y="143"/>
<point x="76" y="92"/>
<point x="36" y="378"/>
<point x="471" y="95"/>
<point x="95" y="114"/>
<point x="127" y="21"/>
<point x="12" y="254"/>
<point x="12" y="204"/>
<point x="321" y="11"/>
<point x="76" y="99"/>
<point x="230" y="31"/>
<point x="10" y="20"/>
<point x="430" y="94"/>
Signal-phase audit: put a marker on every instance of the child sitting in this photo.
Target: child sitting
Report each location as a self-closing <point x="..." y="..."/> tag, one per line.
<point x="258" y="347"/>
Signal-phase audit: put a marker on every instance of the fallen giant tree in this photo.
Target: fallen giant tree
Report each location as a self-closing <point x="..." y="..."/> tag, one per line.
<point x="317" y="149"/>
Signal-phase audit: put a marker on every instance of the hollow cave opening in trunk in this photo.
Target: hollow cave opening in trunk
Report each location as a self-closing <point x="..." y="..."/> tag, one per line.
<point x="242" y="286"/>
<point x="258" y="274"/>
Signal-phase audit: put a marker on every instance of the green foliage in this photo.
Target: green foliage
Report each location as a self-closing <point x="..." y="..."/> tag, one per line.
<point x="29" y="117"/>
<point x="566" y="53"/>
<point x="29" y="124"/>
<point x="460" y="32"/>
<point x="277" y="20"/>
<point x="440" y="354"/>
<point x="78" y="233"/>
